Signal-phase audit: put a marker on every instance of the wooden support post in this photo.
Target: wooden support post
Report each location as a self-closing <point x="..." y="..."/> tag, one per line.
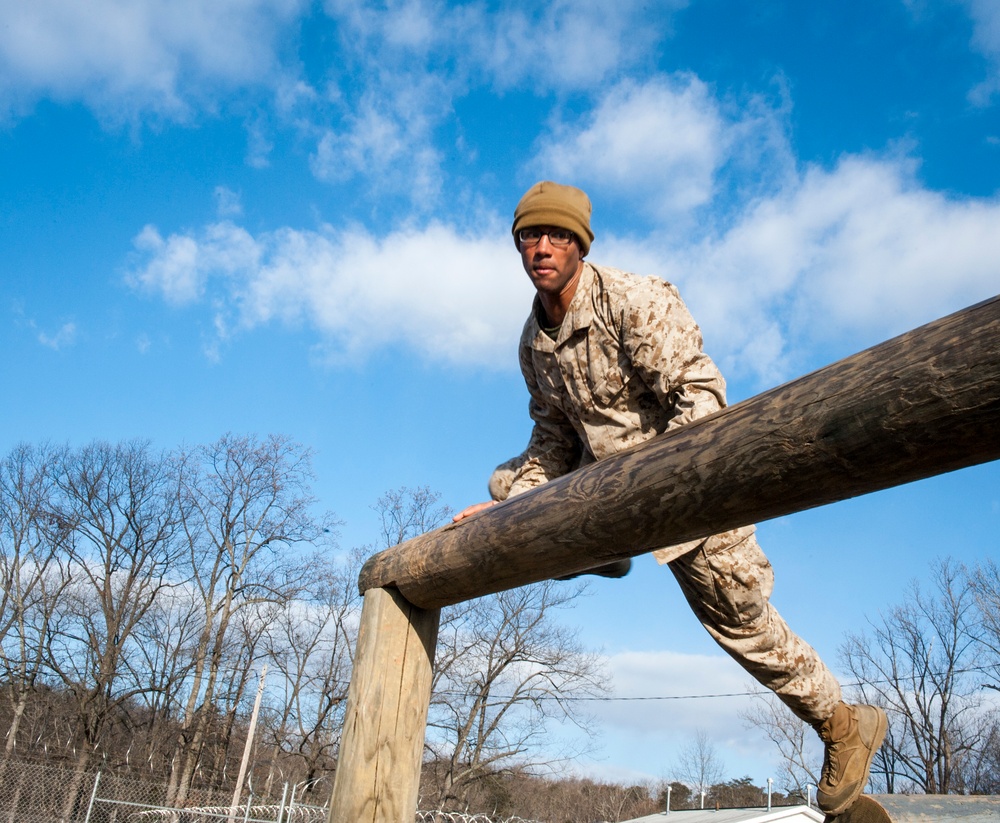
<point x="381" y="748"/>
<point x="922" y="404"/>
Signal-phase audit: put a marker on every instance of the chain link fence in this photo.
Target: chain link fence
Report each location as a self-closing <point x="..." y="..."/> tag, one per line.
<point x="32" y="793"/>
<point x="466" y="817"/>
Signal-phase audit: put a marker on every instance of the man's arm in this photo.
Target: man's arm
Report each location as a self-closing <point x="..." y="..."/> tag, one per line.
<point x="664" y="344"/>
<point x="553" y="450"/>
<point x="540" y="462"/>
<point x="554" y="446"/>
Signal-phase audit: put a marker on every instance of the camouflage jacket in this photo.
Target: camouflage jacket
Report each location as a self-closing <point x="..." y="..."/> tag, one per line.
<point x="627" y="364"/>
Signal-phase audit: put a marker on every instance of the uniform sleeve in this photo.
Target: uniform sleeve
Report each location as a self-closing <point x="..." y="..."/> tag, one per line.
<point x="664" y="344"/>
<point x="554" y="447"/>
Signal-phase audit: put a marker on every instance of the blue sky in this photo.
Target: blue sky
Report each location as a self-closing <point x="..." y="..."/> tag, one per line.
<point x="293" y="217"/>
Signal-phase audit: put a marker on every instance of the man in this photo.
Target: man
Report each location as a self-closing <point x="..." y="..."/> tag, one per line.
<point x="610" y="360"/>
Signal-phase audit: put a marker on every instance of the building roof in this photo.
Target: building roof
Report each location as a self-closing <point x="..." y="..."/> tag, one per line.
<point x="902" y="808"/>
<point x="778" y="814"/>
<point x="921" y="808"/>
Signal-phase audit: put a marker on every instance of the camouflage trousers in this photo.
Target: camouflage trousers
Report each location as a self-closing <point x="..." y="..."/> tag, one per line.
<point x="729" y="590"/>
<point x="728" y="582"/>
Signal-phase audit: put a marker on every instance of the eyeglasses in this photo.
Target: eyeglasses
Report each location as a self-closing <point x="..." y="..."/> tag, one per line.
<point x="557" y="237"/>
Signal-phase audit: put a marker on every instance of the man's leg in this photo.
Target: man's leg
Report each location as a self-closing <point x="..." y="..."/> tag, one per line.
<point x="728" y="587"/>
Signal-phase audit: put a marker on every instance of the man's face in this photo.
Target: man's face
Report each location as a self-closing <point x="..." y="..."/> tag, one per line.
<point x="553" y="269"/>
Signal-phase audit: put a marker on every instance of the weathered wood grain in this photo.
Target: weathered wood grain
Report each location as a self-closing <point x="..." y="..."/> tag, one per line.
<point x="378" y="771"/>
<point x="924" y="403"/>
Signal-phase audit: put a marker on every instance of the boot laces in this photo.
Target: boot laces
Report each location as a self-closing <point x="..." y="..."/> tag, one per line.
<point x="831" y="761"/>
<point x="832" y="750"/>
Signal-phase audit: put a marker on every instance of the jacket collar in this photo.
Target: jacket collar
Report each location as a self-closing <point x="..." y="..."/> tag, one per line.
<point x="579" y="315"/>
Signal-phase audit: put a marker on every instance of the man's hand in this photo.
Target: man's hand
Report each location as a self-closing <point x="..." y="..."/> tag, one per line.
<point x="470" y="510"/>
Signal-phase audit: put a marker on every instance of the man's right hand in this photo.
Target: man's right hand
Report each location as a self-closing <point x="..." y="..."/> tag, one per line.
<point x="473" y="509"/>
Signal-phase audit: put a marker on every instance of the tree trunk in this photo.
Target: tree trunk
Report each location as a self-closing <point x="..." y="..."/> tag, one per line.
<point x="75" y="783"/>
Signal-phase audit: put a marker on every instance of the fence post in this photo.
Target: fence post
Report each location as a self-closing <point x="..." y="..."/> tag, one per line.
<point x="381" y="748"/>
<point x="93" y="797"/>
<point x="248" y="747"/>
<point x="284" y="794"/>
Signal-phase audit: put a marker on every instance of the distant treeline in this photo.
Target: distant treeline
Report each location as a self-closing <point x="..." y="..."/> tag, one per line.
<point x="142" y="594"/>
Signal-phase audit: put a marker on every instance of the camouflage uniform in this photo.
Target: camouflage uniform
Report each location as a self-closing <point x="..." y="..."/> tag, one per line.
<point x="627" y="364"/>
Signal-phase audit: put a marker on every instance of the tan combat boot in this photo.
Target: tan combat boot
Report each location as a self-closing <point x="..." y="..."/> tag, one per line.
<point x="852" y="735"/>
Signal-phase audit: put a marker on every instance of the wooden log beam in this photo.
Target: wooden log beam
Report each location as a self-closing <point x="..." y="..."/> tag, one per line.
<point x="924" y="403"/>
<point x="381" y="748"/>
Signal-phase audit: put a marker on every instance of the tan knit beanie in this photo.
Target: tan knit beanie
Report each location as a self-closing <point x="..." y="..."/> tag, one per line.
<point x="552" y="204"/>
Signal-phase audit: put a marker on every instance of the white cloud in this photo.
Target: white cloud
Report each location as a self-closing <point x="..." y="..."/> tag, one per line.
<point x="698" y="693"/>
<point x="179" y="266"/>
<point x="227" y="202"/>
<point x="406" y="62"/>
<point x="665" y="145"/>
<point x="844" y="259"/>
<point x="711" y="682"/>
<point x="838" y="260"/>
<point x="889" y="253"/>
<point x="663" y="141"/>
<point x="782" y="272"/>
<point x="65" y="336"/>
<point x="128" y="56"/>
<point x="569" y="45"/>
<point x="447" y="296"/>
<point x="985" y="16"/>
<point x="558" y="45"/>
<point x="784" y="275"/>
<point x="387" y="141"/>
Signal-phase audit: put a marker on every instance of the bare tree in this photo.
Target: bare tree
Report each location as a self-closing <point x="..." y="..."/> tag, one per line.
<point x="242" y="666"/>
<point x="984" y="580"/>
<point x="699" y="765"/>
<point x="311" y="643"/>
<point x="620" y="802"/>
<point x="916" y="664"/>
<point x="504" y="668"/>
<point x="246" y="506"/>
<point x="163" y="654"/>
<point x="983" y="773"/>
<point x="797" y="744"/>
<point x="405" y="513"/>
<point x="33" y="540"/>
<point x="520" y="794"/>
<point x="141" y="592"/>
<point x="672" y="795"/>
<point x="120" y="500"/>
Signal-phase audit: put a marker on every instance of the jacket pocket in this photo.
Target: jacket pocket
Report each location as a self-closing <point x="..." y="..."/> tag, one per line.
<point x="609" y="385"/>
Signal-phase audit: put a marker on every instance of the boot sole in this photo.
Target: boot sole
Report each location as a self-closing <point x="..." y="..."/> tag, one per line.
<point x="863" y="810"/>
<point x="614" y="570"/>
